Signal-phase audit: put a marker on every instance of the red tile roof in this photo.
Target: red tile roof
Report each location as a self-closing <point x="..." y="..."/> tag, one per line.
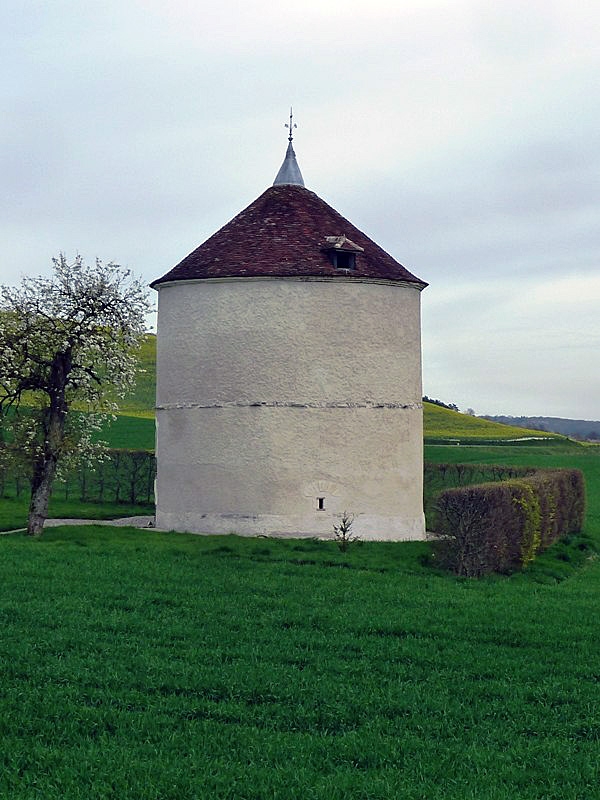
<point x="284" y="233"/>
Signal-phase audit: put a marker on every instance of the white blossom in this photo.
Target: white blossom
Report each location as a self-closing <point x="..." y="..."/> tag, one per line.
<point x="67" y="344"/>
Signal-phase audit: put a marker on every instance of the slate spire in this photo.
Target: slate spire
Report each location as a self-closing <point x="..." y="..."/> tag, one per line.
<point x="289" y="172"/>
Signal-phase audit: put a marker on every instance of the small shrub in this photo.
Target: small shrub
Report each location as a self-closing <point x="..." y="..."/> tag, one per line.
<point x="343" y="532"/>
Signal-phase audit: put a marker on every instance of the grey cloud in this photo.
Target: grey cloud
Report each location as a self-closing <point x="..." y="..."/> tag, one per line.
<point x="461" y="137"/>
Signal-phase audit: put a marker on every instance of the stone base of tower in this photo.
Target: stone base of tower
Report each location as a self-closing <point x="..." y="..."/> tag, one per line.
<point x="365" y="527"/>
<point x="291" y="471"/>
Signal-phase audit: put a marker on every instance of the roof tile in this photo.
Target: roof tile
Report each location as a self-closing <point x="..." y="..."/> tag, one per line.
<point x="285" y="233"/>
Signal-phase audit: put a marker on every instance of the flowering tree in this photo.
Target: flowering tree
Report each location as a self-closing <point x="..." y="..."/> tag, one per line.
<point x="67" y="344"/>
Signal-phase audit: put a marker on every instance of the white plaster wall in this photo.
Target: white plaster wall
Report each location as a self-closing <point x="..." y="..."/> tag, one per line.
<point x="273" y="393"/>
<point x="289" y="341"/>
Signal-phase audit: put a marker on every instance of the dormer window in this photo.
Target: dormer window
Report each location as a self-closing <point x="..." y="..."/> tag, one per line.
<point x="342" y="259"/>
<point x="342" y="252"/>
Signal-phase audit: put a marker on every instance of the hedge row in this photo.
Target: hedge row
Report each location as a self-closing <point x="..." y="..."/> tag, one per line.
<point x="124" y="476"/>
<point x="499" y="527"/>
<point x="438" y="477"/>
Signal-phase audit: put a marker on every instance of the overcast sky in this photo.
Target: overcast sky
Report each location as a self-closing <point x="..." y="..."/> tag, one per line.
<point x="463" y="137"/>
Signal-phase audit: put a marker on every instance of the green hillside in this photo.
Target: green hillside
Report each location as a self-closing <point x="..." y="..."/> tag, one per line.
<point x="443" y="424"/>
<point x="141" y="402"/>
<point x="134" y="427"/>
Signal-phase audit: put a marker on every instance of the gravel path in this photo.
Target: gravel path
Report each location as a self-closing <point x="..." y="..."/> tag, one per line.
<point x="134" y="522"/>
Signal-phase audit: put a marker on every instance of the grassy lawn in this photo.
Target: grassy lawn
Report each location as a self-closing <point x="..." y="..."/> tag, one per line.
<point x="144" y="665"/>
<point x="165" y="666"/>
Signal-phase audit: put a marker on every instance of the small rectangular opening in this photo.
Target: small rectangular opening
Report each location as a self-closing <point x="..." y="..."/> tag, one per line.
<point x="343" y="259"/>
<point x="320" y="503"/>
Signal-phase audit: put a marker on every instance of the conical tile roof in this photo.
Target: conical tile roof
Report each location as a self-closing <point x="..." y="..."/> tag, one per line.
<point x="287" y="232"/>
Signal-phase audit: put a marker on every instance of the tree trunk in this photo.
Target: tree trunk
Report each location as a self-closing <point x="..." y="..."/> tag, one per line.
<point x="53" y="425"/>
<point x="41" y="489"/>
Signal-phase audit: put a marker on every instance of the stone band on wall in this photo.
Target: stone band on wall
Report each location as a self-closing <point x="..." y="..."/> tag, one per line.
<point x="280" y="404"/>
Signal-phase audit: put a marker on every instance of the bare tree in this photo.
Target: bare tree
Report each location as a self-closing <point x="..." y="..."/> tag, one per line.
<point x="67" y="344"/>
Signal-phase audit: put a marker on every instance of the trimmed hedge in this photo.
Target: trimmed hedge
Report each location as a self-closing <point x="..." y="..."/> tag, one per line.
<point x="500" y="527"/>
<point x="438" y="477"/>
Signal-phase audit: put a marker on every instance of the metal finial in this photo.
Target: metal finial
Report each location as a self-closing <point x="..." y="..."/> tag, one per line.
<point x="289" y="173"/>
<point x="291" y="125"/>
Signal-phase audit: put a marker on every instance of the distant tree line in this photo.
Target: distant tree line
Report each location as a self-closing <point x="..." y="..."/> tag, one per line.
<point x="451" y="406"/>
<point x="121" y="476"/>
<point x="575" y="428"/>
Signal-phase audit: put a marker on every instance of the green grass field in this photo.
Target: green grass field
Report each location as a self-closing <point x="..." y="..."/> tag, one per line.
<point x="129" y="433"/>
<point x="167" y="666"/>
<point x="138" y="664"/>
<point x="144" y="665"/>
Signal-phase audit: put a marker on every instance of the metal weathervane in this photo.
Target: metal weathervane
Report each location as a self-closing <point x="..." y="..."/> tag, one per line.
<point x="291" y="125"/>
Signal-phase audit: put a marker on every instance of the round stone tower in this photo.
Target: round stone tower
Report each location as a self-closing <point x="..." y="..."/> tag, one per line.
<point x="289" y="377"/>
